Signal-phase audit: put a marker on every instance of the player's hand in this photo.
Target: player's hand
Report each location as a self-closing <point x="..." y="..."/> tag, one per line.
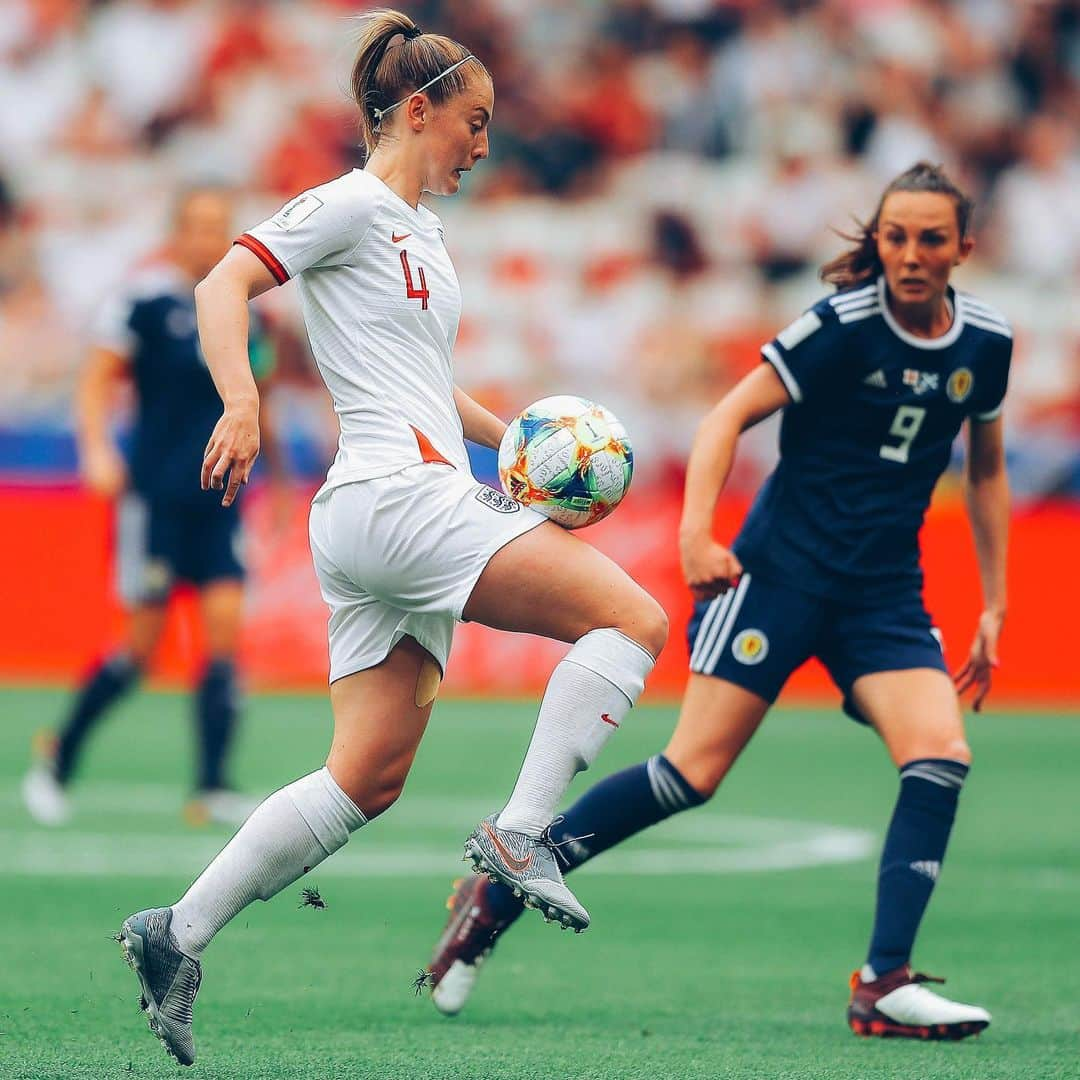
<point x="982" y="659"/>
<point x="231" y="451"/>
<point x="103" y="470"/>
<point x="710" y="568"/>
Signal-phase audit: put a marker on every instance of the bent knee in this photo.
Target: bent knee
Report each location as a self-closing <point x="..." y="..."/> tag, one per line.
<point x="372" y="794"/>
<point x="703" y="772"/>
<point x="380" y="801"/>
<point x="949" y="749"/>
<point x="650" y="625"/>
<point x="958" y="750"/>
<point x="378" y="797"/>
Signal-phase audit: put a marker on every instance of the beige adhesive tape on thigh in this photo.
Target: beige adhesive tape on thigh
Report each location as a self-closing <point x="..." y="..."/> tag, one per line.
<point x="427" y="683"/>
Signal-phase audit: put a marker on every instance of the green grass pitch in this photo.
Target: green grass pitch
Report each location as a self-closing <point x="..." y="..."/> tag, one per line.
<point x="720" y="946"/>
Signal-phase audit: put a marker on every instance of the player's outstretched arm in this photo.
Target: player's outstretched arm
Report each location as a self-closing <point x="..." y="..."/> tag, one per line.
<point x="986" y="491"/>
<point x="478" y="424"/>
<point x="709" y="568"/>
<point x="221" y="303"/>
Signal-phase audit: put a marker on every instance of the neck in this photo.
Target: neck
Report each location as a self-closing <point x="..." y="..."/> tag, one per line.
<point x="928" y="320"/>
<point x="396" y="175"/>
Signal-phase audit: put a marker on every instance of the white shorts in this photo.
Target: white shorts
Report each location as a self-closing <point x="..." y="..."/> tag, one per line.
<point x="399" y="556"/>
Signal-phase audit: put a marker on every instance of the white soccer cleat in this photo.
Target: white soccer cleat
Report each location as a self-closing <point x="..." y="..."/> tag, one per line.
<point x="455" y="987"/>
<point x="898" y="1005"/>
<point x="44" y="796"/>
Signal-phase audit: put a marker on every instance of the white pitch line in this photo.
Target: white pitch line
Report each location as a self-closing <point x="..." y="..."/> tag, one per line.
<point x="702" y="843"/>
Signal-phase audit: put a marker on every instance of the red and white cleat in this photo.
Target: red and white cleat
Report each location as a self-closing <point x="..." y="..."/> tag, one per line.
<point x="466" y="942"/>
<point x="898" y="1005"/>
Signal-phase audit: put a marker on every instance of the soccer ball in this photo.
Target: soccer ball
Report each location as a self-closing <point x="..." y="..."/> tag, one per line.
<point x="568" y="458"/>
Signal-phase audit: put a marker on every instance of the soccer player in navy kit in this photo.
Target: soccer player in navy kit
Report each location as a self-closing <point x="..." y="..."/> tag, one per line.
<point x="875" y="383"/>
<point x="167" y="529"/>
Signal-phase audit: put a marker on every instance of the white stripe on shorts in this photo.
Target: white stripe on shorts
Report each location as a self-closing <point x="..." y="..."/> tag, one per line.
<point x="716" y="610"/>
<point x="725" y="630"/>
<point x="132" y="523"/>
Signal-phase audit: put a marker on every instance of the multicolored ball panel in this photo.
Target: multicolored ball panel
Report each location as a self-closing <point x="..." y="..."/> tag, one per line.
<point x="567" y="457"/>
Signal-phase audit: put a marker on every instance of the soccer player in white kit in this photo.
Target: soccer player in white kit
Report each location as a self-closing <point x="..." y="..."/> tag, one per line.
<point x="405" y="541"/>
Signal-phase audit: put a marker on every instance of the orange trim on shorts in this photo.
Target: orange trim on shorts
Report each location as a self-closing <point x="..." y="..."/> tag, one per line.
<point x="265" y="256"/>
<point x="428" y="453"/>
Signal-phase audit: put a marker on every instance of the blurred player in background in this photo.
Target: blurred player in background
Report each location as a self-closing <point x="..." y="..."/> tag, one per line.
<point x="405" y="541"/>
<point x="875" y="383"/>
<point x="168" y="531"/>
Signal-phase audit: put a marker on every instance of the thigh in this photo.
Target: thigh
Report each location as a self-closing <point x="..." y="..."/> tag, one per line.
<point x="549" y="582"/>
<point x="916" y="712"/>
<point x="716" y="720"/>
<point x="222" y="606"/>
<point x="378" y="726"/>
<point x="363" y="628"/>
<point x="755" y="635"/>
<point x="865" y="641"/>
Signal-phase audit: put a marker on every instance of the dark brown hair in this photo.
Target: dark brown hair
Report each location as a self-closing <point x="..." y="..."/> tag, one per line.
<point x="394" y="57"/>
<point x="861" y="262"/>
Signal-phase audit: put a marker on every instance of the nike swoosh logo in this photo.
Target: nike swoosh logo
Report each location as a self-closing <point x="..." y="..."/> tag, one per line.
<point x="607" y="720"/>
<point x="397" y="239"/>
<point x="519" y="866"/>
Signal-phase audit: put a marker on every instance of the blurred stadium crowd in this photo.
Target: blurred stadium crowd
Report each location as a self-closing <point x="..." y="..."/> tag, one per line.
<point x="662" y="181"/>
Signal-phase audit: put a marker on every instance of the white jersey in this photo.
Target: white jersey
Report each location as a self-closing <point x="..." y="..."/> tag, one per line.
<point x="381" y="304"/>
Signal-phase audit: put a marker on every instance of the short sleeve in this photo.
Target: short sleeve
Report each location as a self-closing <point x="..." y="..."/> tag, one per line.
<point x="319" y="227"/>
<point x="112" y="328"/>
<point x="805" y="353"/>
<point x="991" y="400"/>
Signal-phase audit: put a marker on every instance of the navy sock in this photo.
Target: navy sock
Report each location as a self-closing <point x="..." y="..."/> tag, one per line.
<point x="911" y="859"/>
<point x="216" y="707"/>
<point x="109" y="681"/>
<point x="609" y="812"/>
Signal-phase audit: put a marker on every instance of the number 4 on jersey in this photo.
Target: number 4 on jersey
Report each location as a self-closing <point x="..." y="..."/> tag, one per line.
<point x="411" y="291"/>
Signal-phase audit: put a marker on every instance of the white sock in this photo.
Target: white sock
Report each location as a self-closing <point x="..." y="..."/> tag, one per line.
<point x="287" y="834"/>
<point x="587" y="698"/>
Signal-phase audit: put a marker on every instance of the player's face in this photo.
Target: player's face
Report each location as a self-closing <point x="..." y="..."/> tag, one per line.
<point x="203" y="232"/>
<point x="919" y="242"/>
<point x="457" y="136"/>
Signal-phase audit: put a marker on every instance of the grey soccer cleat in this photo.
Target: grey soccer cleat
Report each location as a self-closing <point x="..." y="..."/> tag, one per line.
<point x="528" y="866"/>
<point x="169" y="979"/>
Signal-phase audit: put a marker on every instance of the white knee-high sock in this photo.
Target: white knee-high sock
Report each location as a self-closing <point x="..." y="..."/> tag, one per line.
<point x="287" y="834"/>
<point x="587" y="698"/>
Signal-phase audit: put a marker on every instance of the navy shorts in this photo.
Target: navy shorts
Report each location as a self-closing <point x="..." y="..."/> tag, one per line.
<point x="758" y="633"/>
<point x="160" y="543"/>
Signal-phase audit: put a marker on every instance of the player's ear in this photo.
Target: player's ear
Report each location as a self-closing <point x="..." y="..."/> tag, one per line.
<point x="416" y="112"/>
<point x="967" y="246"/>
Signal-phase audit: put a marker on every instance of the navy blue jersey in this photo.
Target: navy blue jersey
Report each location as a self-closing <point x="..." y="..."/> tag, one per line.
<point x="873" y="415"/>
<point x="152" y="324"/>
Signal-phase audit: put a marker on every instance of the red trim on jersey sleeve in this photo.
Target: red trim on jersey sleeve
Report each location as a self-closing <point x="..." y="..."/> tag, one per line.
<point x="428" y="453"/>
<point x="265" y="256"/>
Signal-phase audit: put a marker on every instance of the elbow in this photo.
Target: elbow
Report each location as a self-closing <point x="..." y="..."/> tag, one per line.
<point x="202" y="291"/>
<point x="726" y="422"/>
